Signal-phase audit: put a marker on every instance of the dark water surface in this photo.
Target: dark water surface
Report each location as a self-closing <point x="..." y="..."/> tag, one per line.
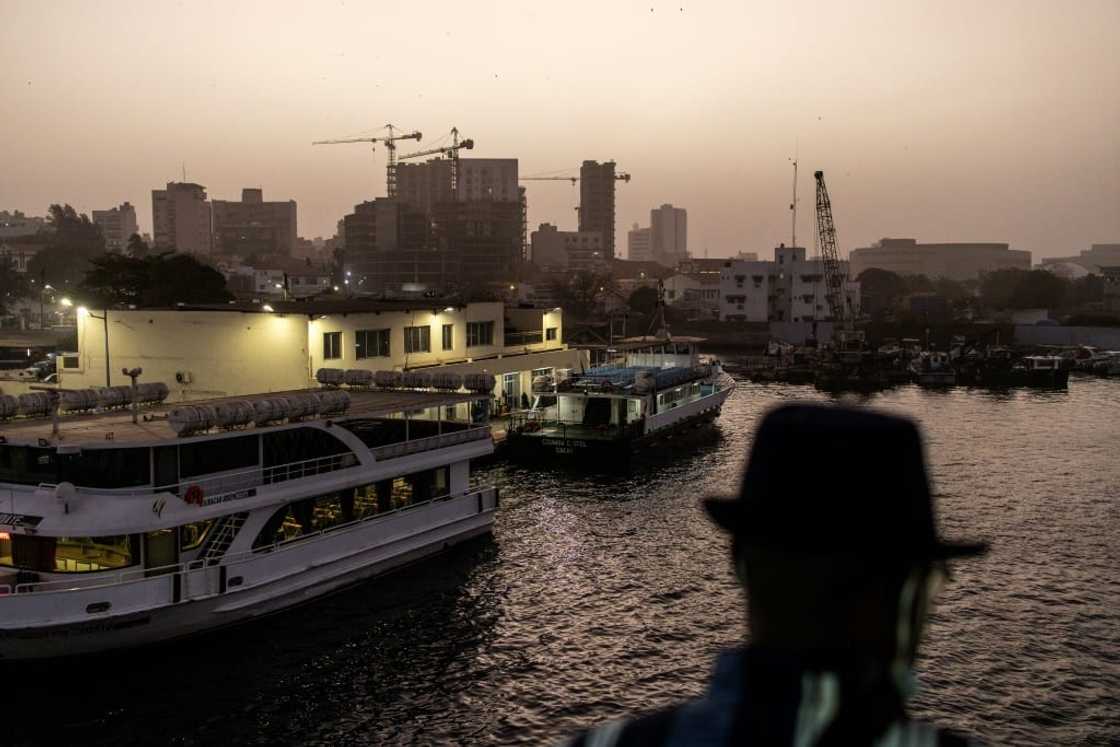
<point x="601" y="595"/>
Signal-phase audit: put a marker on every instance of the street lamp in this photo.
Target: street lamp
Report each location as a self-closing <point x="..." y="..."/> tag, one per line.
<point x="42" y="310"/>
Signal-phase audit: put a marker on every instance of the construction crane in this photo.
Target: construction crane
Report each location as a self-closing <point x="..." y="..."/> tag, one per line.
<point x="572" y="179"/>
<point x="390" y="143"/>
<point x="622" y="177"/>
<point x="452" y="152"/>
<point x="834" y="279"/>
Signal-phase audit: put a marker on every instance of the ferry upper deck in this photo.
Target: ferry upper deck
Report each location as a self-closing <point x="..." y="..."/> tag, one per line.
<point x="116" y="425"/>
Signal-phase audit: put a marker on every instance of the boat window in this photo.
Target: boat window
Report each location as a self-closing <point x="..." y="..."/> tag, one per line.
<point x="107" y="468"/>
<point x="300" y="444"/>
<point x="218" y="455"/>
<point x="68" y="554"/>
<point x="192" y="535"/>
<point x="325" y="512"/>
<point x="28" y="465"/>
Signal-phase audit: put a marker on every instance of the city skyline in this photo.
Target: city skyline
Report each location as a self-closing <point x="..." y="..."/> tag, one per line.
<point x="703" y="105"/>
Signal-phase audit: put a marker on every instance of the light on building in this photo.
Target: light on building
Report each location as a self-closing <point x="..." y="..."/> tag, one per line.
<point x="266" y="307"/>
<point x="449" y="309"/>
<point x="68" y="303"/>
<point x="513" y="287"/>
<point x="557" y="310"/>
<point x="336" y="288"/>
<point x="279" y="285"/>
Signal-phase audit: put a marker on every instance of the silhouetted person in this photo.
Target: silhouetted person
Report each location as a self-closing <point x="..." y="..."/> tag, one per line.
<point x="834" y="539"/>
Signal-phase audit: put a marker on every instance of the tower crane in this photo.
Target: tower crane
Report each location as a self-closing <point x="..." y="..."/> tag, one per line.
<point x="390" y="143"/>
<point x="452" y="152"/>
<point x="622" y="177"/>
<point x="830" y="258"/>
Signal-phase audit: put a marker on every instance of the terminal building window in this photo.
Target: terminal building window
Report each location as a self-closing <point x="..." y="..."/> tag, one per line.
<point x="448" y="336"/>
<point x="550" y="333"/>
<point x="371" y="343"/>
<point x="417" y="339"/>
<point x="480" y="333"/>
<point x="332" y="345"/>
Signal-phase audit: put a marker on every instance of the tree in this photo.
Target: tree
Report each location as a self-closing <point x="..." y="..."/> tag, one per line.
<point x="580" y="291"/>
<point x="76" y="240"/>
<point x="13" y="285"/>
<point x="643" y="300"/>
<point x="1024" y="289"/>
<point x="1040" y="289"/>
<point x="137" y="247"/>
<point x="997" y="287"/>
<point x="880" y="290"/>
<point x="161" y="280"/>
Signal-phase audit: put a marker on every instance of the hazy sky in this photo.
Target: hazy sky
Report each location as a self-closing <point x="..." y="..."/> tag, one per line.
<point x="946" y="121"/>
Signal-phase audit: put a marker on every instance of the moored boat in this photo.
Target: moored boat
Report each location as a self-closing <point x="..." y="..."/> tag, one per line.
<point x="125" y="529"/>
<point x="658" y="390"/>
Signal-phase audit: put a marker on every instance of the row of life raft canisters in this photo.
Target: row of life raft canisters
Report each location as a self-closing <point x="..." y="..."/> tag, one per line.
<point x="34" y="404"/>
<point x="188" y="419"/>
<point x="360" y="378"/>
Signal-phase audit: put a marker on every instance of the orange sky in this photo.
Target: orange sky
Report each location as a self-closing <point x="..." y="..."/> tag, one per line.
<point x="992" y="121"/>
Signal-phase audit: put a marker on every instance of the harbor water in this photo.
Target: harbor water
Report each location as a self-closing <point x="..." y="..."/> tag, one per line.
<point x="605" y="594"/>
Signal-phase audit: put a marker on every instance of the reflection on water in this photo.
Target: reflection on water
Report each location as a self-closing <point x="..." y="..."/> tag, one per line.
<point x="608" y="593"/>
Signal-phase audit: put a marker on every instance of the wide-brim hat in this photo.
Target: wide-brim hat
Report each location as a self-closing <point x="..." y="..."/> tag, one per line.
<point x="826" y="479"/>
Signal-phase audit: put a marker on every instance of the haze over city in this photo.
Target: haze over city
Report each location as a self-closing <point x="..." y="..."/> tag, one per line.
<point x="946" y="121"/>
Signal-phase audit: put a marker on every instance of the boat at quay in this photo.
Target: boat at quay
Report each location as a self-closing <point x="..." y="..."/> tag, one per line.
<point x="657" y="389"/>
<point x="128" y="522"/>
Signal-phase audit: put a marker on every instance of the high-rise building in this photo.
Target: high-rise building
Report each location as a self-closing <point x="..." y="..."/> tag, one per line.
<point x="253" y="226"/>
<point x="668" y="234"/>
<point x="596" y="201"/>
<point x="638" y="244"/>
<point x="181" y="218"/>
<point x="117" y="225"/>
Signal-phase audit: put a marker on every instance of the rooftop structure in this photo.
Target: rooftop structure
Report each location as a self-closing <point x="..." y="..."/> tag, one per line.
<point x="568" y="250"/>
<point x="1094" y="259"/>
<point x="253" y="226"/>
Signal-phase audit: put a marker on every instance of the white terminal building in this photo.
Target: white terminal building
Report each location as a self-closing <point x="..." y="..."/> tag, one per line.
<point x="235" y="349"/>
<point x="789" y="289"/>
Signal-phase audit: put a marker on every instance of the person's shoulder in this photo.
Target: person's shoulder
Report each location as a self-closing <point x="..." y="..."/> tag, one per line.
<point x="649" y="729"/>
<point x="921" y="732"/>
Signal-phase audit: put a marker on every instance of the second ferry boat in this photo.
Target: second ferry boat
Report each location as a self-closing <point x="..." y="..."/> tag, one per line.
<point x="657" y="389"/>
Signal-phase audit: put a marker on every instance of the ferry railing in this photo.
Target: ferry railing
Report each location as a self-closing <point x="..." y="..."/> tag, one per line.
<point x="233" y="481"/>
<point x="443" y="440"/>
<point x="133" y="575"/>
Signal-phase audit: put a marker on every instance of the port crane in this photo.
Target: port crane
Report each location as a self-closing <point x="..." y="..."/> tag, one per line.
<point x="390" y="143"/>
<point x="834" y="279"/>
<point x="452" y="152"/>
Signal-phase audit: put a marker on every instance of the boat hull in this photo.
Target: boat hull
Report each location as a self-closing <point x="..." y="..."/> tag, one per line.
<point x="363" y="558"/>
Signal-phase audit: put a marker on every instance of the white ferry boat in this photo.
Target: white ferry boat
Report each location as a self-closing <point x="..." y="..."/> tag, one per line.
<point x="123" y="528"/>
<point x="656" y="389"/>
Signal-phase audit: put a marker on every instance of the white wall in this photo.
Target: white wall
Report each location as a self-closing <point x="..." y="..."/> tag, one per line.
<point x="226" y="352"/>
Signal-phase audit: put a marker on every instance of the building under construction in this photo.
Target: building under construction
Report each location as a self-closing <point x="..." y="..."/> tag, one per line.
<point x="596" y="201"/>
<point x="454" y="224"/>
